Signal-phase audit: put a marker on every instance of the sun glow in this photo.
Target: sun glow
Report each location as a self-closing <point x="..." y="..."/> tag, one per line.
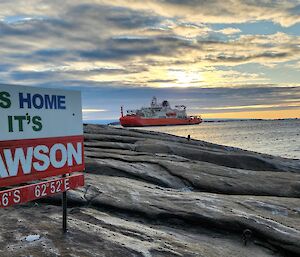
<point x="185" y="78"/>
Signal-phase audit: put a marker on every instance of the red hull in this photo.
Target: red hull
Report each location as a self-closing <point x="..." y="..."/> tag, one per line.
<point x="136" y="121"/>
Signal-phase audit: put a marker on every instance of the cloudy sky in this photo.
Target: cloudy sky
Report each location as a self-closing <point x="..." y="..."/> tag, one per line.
<point x="223" y="59"/>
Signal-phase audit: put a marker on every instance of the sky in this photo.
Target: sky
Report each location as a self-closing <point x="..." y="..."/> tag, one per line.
<point x="222" y="59"/>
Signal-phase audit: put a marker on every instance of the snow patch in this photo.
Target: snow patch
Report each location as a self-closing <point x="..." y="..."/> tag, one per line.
<point x="32" y="238"/>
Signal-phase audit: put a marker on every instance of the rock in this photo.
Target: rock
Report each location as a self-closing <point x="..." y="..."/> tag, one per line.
<point x="154" y="194"/>
<point x="276" y="219"/>
<point x="97" y="233"/>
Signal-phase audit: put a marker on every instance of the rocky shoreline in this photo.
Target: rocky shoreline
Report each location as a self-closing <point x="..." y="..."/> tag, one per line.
<point x="154" y="194"/>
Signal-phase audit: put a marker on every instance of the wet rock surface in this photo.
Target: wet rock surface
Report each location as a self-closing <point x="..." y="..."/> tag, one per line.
<point x="153" y="194"/>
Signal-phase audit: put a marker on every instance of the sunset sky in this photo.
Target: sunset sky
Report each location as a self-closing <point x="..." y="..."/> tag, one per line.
<point x="223" y="59"/>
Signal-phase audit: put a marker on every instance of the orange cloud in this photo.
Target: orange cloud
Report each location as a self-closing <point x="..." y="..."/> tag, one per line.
<point x="278" y="114"/>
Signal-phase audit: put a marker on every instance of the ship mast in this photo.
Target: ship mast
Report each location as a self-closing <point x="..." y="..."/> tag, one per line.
<point x="154" y="102"/>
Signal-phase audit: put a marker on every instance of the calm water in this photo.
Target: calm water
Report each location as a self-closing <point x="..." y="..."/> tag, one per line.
<point x="280" y="137"/>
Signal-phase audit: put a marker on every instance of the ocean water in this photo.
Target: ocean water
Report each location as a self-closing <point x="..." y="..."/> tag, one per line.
<point x="275" y="137"/>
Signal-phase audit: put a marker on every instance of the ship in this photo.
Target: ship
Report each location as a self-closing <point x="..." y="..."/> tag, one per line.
<point x="158" y="114"/>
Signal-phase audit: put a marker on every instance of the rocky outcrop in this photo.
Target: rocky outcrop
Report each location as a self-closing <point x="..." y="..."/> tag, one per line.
<point x="153" y="194"/>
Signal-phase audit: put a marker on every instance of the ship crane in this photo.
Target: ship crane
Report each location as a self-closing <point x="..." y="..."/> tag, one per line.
<point x="180" y="106"/>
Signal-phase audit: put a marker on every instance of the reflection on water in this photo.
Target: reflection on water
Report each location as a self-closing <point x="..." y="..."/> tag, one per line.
<point x="279" y="137"/>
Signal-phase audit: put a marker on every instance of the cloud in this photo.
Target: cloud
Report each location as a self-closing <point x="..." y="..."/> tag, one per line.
<point x="283" y="12"/>
<point x="93" y="110"/>
<point x="229" y="31"/>
<point x="149" y="45"/>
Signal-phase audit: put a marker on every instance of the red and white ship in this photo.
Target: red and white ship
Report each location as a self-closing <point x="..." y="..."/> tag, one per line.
<point x="158" y="114"/>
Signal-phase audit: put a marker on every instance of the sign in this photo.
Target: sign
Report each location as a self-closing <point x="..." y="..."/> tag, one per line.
<point x="43" y="189"/>
<point x="40" y="133"/>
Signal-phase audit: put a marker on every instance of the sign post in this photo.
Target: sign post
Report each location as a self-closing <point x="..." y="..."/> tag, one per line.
<point x="64" y="205"/>
<point x="41" y="136"/>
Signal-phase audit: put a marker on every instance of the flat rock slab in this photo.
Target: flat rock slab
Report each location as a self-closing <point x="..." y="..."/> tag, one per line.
<point x="276" y="219"/>
<point x="157" y="195"/>
<point x="93" y="233"/>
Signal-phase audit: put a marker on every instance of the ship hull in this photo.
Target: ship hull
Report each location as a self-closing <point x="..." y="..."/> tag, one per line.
<point x="136" y="121"/>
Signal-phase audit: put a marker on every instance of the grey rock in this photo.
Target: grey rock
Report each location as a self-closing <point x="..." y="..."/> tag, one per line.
<point x="154" y="194"/>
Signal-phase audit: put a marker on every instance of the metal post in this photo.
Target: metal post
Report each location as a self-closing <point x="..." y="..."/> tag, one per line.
<point x="64" y="205"/>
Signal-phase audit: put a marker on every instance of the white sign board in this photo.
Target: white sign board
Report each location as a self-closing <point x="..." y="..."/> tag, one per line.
<point x="40" y="133"/>
<point x="28" y="112"/>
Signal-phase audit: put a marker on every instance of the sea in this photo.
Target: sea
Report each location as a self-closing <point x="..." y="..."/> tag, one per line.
<point x="275" y="137"/>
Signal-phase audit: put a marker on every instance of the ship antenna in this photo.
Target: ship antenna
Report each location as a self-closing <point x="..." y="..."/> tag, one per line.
<point x="122" y="114"/>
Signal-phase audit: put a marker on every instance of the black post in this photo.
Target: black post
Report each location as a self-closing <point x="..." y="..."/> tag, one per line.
<point x="64" y="205"/>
